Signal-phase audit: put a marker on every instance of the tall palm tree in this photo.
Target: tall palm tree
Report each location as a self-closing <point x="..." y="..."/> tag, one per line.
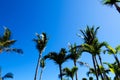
<point x="58" y="58"/>
<point x="74" y="55"/>
<point x="111" y="3"/>
<point x="41" y="42"/>
<point x="92" y="46"/>
<point x="6" y="42"/>
<point x="42" y="65"/>
<point x="70" y="72"/>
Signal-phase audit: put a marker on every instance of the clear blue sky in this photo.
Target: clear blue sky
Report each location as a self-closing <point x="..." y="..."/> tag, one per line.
<point x="61" y="20"/>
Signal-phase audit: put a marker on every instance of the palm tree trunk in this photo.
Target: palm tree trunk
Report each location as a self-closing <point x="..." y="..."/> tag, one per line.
<point x="94" y="64"/>
<point x="60" y="68"/>
<point x="38" y="64"/>
<point x="117" y="7"/>
<point x="115" y="56"/>
<point x="99" y="69"/>
<point x="41" y="74"/>
<point x="104" y="74"/>
<point x="76" y="71"/>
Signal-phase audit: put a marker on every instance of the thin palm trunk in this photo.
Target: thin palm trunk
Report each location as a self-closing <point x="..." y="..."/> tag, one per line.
<point x="115" y="56"/>
<point x="117" y="7"/>
<point x="41" y="74"/>
<point x="94" y="64"/>
<point x="37" y="67"/>
<point x="60" y="68"/>
<point x="104" y="74"/>
<point x="76" y="71"/>
<point x="99" y="68"/>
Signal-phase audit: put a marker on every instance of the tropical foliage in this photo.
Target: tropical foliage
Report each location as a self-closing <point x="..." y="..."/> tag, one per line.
<point x="91" y="44"/>
<point x="6" y="42"/>
<point x="111" y="3"/>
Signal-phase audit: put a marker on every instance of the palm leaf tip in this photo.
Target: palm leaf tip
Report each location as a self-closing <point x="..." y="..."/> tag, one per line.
<point x="8" y="75"/>
<point x="110" y="2"/>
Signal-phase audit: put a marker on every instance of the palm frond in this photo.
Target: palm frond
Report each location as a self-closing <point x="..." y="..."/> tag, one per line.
<point x="117" y="49"/>
<point x="8" y="75"/>
<point x="20" y="51"/>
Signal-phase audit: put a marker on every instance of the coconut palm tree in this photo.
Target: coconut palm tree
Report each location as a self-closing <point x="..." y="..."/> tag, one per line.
<point x="6" y="42"/>
<point x="42" y="65"/>
<point x="74" y="55"/>
<point x="58" y="58"/>
<point x="111" y="3"/>
<point x="70" y="72"/>
<point x="41" y="42"/>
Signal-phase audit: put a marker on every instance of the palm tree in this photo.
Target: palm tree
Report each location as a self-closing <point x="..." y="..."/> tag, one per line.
<point x="58" y="58"/>
<point x="6" y="42"/>
<point x="42" y="65"/>
<point x="74" y="55"/>
<point x="111" y="3"/>
<point x="41" y="42"/>
<point x="93" y="46"/>
<point x="70" y="72"/>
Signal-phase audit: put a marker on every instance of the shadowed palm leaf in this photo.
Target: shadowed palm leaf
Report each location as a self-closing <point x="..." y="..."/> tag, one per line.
<point x="8" y="75"/>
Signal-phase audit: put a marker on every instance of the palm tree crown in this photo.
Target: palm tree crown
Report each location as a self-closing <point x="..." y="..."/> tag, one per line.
<point x="70" y="72"/>
<point x="41" y="41"/>
<point x="6" y="42"/>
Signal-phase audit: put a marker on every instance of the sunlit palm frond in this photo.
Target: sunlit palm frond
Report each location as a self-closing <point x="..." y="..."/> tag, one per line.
<point x="117" y="49"/>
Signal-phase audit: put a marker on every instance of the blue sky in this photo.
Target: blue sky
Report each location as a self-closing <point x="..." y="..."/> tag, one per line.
<point x="61" y="20"/>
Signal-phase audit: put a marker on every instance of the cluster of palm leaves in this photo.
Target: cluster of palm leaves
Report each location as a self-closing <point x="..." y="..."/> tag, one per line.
<point x="90" y="45"/>
<point x="6" y="42"/>
<point x="5" y="46"/>
<point x="111" y="3"/>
